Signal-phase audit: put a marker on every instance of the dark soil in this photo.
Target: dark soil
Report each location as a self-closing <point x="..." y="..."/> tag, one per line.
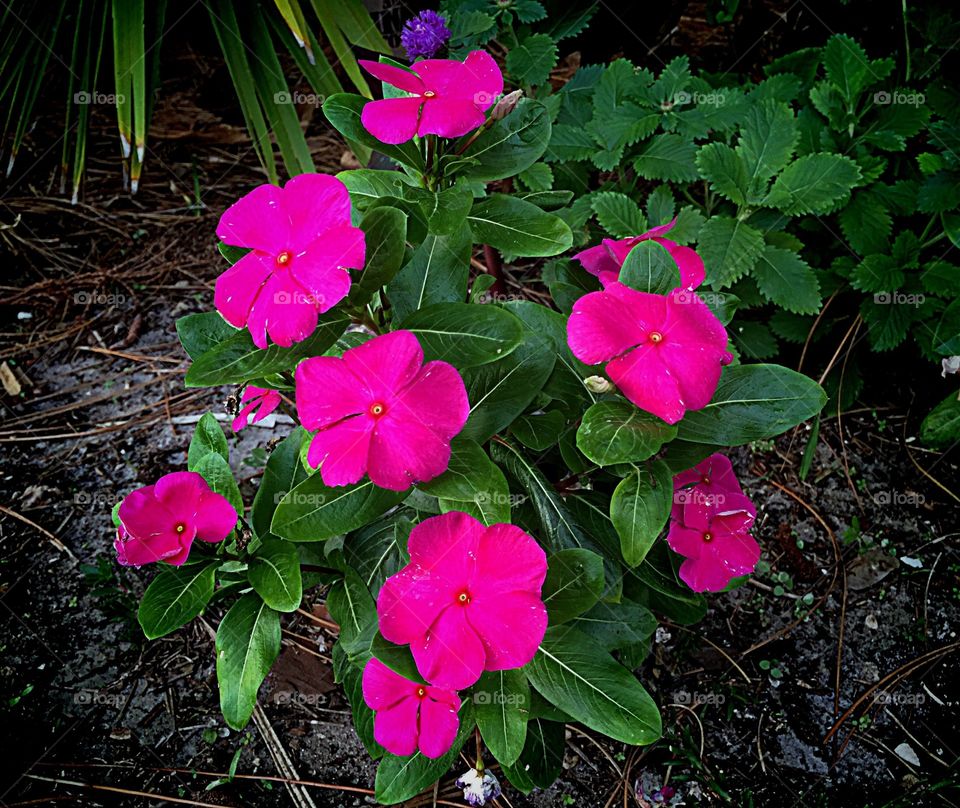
<point x="861" y="558"/>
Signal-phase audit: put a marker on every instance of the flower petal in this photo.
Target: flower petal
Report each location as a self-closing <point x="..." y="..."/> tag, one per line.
<point x="392" y="120"/>
<point x="215" y="517"/>
<point x="509" y="560"/>
<point x="436" y="398"/>
<point x="704" y="574"/>
<point x="386" y="363"/>
<point x="314" y="203"/>
<point x="411" y="601"/>
<point x="180" y="492"/>
<point x="257" y="220"/>
<point x="238" y="287"/>
<point x="449" y="117"/>
<point x="450" y="654"/>
<point x="395" y="727"/>
<point x="342" y="450"/>
<point x="405" y="80"/>
<point x="643" y="378"/>
<point x="404" y="451"/>
<point x="383" y="687"/>
<point x="689" y="262"/>
<point x="439" y="723"/>
<point x="684" y="540"/>
<point x="328" y="391"/>
<point x="447" y="546"/>
<point x="599" y="262"/>
<point x="601" y="327"/>
<point x="511" y="627"/>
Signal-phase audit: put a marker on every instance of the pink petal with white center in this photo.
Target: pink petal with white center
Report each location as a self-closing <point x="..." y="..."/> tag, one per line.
<point x="341" y="450"/>
<point x="314" y="203"/>
<point x="449" y="117"/>
<point x="392" y="120"/>
<point x="509" y="560"/>
<point x="510" y="625"/>
<point x="437" y="399"/>
<point x="643" y="378"/>
<point x="438" y="728"/>
<point x="386" y="364"/>
<point x="257" y="220"/>
<point x="327" y="391"/>
<point x="238" y="287"/>
<point x="405" y="80"/>
<point x="383" y="687"/>
<point x="395" y="727"/>
<point x="450" y="654"/>
<point x="447" y="546"/>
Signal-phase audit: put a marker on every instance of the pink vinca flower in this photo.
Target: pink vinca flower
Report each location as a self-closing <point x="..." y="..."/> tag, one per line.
<point x="606" y="259"/>
<point x="708" y="483"/>
<point x="716" y="542"/>
<point x="409" y="716"/>
<point x="381" y="411"/>
<point x="301" y="245"/>
<point x="664" y="352"/>
<point x="159" y="522"/>
<point x="261" y="399"/>
<point x="446" y="97"/>
<point x="468" y="601"/>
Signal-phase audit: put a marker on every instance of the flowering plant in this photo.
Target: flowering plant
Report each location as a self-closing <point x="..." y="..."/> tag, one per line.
<point x="498" y="525"/>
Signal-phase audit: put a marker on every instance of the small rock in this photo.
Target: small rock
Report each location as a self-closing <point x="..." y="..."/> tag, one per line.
<point x="905" y="752"/>
<point x="871" y="622"/>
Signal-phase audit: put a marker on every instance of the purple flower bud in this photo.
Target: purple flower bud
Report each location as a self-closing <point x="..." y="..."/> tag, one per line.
<point x="424" y="34"/>
<point x="506" y="105"/>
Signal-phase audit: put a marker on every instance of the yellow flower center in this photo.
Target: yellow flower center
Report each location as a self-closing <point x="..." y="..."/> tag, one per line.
<point x="708" y="537"/>
<point x="181" y="527"/>
<point x="284" y="258"/>
<point x="429" y="94"/>
<point x="378" y="409"/>
<point x="655" y="337"/>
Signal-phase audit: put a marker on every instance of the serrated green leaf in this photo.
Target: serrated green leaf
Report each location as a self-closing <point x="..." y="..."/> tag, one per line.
<point x="668" y="157"/>
<point x="531" y="61"/>
<point x="725" y="170"/>
<point x="618" y="214"/>
<point x="729" y="248"/>
<point x="814" y="183"/>
<point x="784" y="278"/>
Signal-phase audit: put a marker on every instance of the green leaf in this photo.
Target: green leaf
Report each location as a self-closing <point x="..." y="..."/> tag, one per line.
<point x="501" y="701"/>
<point x="574" y="583"/>
<point x="617" y="432"/>
<point x="464" y="334"/>
<point x="668" y="157"/>
<point x="650" y="268"/>
<point x="866" y="223"/>
<point x="847" y="66"/>
<point x="531" y="61"/>
<point x="617" y="625"/>
<point x="573" y="672"/>
<point x="500" y="391"/>
<point x="541" y="761"/>
<point x="729" y="249"/>
<point x="518" y="228"/>
<point x="237" y="360"/>
<point x="753" y="402"/>
<point x="343" y="110"/>
<point x="315" y="512"/>
<point x="536" y="178"/>
<point x="400" y="778"/>
<point x="814" y="183"/>
<point x="446" y="210"/>
<point x="274" y="573"/>
<point x="660" y="205"/>
<point x="472" y="478"/>
<point x="351" y="605"/>
<point x="753" y="339"/>
<point x="941" y="427"/>
<point x="888" y="319"/>
<point x="219" y="476"/>
<point x="877" y="273"/>
<point x="207" y="437"/>
<point x="784" y="278"/>
<point x="640" y="507"/>
<point x="511" y="145"/>
<point x="436" y="273"/>
<point x="568" y="143"/>
<point x="398" y="658"/>
<point x="618" y="214"/>
<point x="248" y="642"/>
<point x="725" y="170"/>
<point x="282" y="472"/>
<point x="200" y="332"/>
<point x="175" y="597"/>
<point x="767" y="139"/>
<point x="539" y="431"/>
<point x="385" y="231"/>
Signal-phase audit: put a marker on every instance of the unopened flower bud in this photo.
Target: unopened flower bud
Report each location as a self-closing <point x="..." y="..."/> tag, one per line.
<point x="506" y="105"/>
<point x="597" y="384"/>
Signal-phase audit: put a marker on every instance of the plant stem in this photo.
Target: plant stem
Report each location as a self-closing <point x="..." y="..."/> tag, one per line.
<point x="495" y="268"/>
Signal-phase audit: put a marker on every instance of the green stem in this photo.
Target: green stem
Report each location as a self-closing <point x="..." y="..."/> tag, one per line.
<point x="906" y="40"/>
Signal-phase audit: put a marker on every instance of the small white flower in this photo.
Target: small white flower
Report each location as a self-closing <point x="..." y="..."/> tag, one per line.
<point x="478" y="788"/>
<point x="950" y="364"/>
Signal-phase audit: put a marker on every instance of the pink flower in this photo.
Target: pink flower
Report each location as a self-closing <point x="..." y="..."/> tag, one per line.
<point x="447" y="97"/>
<point x="716" y="542"/>
<point x="708" y="483"/>
<point x="261" y="399"/>
<point x="665" y="352"/>
<point x="409" y="716"/>
<point x="381" y="411"/>
<point x="159" y="522"/>
<point x="605" y="260"/>
<point x="301" y="244"/>
<point x="468" y="601"/>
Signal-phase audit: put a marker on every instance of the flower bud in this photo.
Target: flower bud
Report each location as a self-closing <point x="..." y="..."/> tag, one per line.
<point x="478" y="788"/>
<point x="950" y="364"/>
<point x="506" y="105"/>
<point x="597" y="384"/>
